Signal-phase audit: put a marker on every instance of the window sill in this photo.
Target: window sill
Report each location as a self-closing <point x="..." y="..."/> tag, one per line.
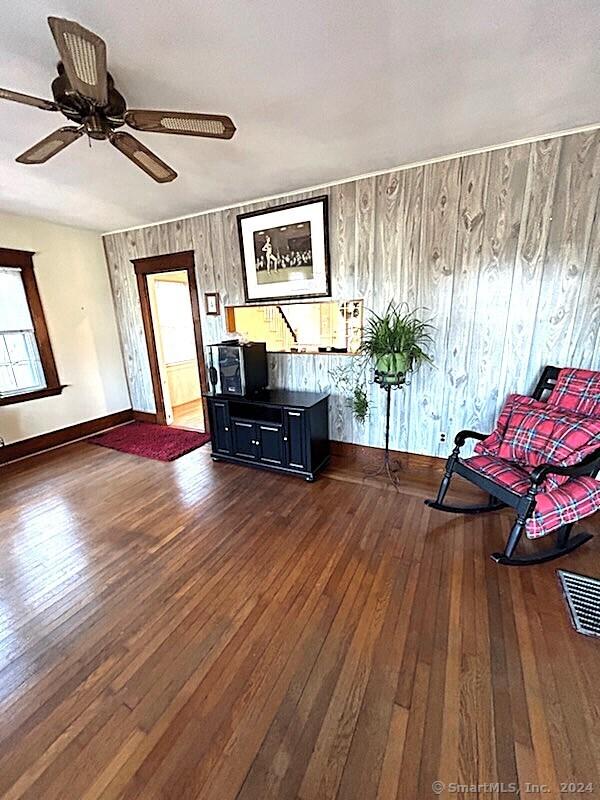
<point x="49" y="391"/>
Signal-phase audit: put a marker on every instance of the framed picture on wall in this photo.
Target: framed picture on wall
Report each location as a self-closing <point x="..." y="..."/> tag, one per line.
<point x="211" y="300"/>
<point x="285" y="251"/>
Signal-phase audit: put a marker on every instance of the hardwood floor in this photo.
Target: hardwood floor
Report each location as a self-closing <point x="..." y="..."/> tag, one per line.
<point x="189" y="415"/>
<point x="200" y="630"/>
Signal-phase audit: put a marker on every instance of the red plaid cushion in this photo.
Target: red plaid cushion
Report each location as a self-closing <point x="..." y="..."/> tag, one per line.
<point x="511" y="476"/>
<point x="576" y="499"/>
<point x="572" y="501"/>
<point x="491" y="444"/>
<point x="577" y="390"/>
<point x="535" y="437"/>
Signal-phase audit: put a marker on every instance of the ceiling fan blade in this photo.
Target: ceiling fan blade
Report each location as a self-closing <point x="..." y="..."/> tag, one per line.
<point x="143" y="157"/>
<point x="28" y="100"/>
<point x="83" y="54"/>
<point x="50" y="146"/>
<point x="214" y="126"/>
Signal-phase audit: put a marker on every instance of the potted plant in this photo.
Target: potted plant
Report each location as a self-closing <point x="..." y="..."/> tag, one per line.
<point x="396" y="343"/>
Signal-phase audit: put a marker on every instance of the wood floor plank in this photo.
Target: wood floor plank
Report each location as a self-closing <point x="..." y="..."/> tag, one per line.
<point x="280" y="764"/>
<point x="206" y="631"/>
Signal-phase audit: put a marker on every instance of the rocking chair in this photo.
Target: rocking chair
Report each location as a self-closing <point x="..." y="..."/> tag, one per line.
<point x="540" y="460"/>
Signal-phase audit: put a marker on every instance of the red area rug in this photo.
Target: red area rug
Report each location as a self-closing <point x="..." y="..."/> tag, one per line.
<point x="151" y="441"/>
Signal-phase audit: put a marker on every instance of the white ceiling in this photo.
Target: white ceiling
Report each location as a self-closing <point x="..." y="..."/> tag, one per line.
<point x="320" y="90"/>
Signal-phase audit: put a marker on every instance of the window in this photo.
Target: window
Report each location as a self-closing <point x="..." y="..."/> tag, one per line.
<point x="20" y="365"/>
<point x="27" y="368"/>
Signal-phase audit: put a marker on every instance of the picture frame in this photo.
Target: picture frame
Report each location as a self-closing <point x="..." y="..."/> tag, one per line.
<point x="285" y="251"/>
<point x="212" y="304"/>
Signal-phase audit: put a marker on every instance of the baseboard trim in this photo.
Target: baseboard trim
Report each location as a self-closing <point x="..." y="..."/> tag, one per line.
<point x="354" y="455"/>
<point x="145" y="416"/>
<point x="419" y="475"/>
<point x="48" y="441"/>
<point x="365" y="456"/>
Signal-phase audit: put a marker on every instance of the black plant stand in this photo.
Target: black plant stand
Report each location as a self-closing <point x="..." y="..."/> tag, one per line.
<point x="391" y="466"/>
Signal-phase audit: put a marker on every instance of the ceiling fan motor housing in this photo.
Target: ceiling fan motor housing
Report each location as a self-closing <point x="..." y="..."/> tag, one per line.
<point x="96" y="120"/>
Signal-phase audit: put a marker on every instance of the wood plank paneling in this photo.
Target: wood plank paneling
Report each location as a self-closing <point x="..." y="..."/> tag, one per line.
<point x="573" y="211"/>
<point x="129" y="320"/>
<point x="408" y="268"/>
<point x="529" y="265"/>
<point x="586" y="338"/>
<point x="503" y="212"/>
<point x="503" y="248"/>
<point x="472" y="208"/>
<point x="435" y="287"/>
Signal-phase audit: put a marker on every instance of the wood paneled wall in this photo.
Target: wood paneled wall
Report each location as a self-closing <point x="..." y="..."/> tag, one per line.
<point x="502" y="247"/>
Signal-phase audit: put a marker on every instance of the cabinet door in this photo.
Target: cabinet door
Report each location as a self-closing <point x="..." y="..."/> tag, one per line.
<point x="244" y="439"/>
<point x="296" y="439"/>
<point x="271" y="443"/>
<point x="220" y="433"/>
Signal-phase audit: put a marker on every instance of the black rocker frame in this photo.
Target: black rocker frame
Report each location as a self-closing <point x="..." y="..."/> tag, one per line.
<point x="501" y="497"/>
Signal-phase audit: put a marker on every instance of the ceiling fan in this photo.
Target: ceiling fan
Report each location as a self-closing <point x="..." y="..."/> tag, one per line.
<point x="85" y="93"/>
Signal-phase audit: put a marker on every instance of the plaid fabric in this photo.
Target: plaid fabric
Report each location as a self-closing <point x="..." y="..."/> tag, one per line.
<point x="491" y="444"/>
<point x="574" y="500"/>
<point x="510" y="476"/>
<point x="577" y="390"/>
<point x="533" y="437"/>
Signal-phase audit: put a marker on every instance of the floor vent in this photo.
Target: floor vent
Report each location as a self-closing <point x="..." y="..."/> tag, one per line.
<point x="583" y="599"/>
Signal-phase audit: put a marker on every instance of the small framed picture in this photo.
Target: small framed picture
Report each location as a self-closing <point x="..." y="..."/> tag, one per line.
<point x="212" y="303"/>
<point x="285" y="251"/>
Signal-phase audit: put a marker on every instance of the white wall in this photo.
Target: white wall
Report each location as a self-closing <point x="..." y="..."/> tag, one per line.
<point x="75" y="292"/>
<point x="184" y="382"/>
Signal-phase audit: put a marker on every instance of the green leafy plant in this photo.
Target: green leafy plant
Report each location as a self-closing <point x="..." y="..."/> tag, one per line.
<point x="350" y="380"/>
<point x="360" y="402"/>
<point x="396" y="343"/>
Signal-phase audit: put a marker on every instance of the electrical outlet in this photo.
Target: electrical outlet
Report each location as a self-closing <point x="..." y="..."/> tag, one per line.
<point x="442" y="437"/>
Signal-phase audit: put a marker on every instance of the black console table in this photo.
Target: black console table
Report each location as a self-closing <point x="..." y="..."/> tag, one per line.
<point x="276" y="429"/>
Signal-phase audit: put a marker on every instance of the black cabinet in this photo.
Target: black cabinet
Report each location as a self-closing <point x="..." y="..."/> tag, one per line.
<point x="295" y="425"/>
<point x="279" y="430"/>
<point x="271" y="443"/>
<point x="244" y="439"/>
<point x="221" y="428"/>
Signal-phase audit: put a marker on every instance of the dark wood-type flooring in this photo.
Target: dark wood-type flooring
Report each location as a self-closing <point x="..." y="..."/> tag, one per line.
<point x="200" y="630"/>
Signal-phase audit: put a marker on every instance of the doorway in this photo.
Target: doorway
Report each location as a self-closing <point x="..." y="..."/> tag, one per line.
<point x="171" y="316"/>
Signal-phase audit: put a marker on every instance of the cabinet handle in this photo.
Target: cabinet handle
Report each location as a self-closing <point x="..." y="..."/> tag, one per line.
<point x="294" y="413"/>
<point x="285" y="438"/>
<point x="227" y="429"/>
